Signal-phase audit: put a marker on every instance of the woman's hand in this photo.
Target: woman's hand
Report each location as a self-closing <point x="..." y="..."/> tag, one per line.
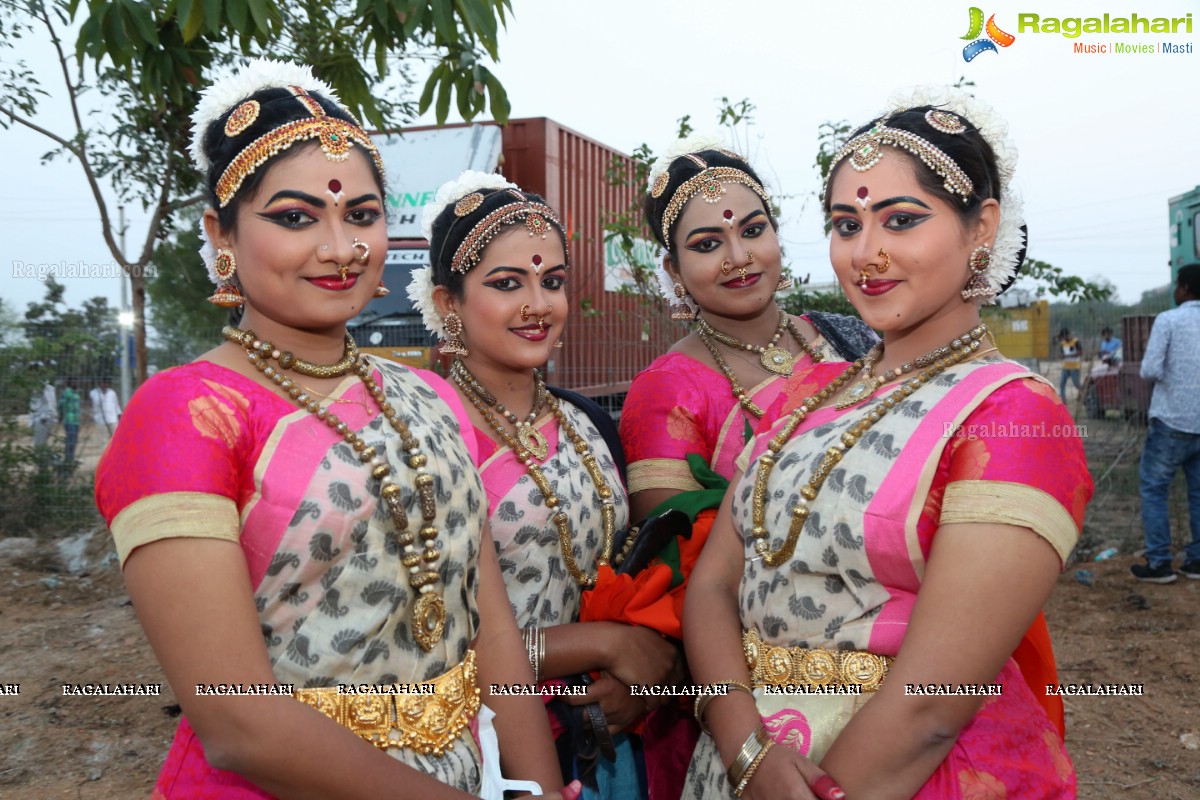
<point x="784" y="774"/>
<point x="642" y="656"/>
<point x="621" y="708"/>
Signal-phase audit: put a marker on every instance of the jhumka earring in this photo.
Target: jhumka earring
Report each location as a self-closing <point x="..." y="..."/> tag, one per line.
<point x="362" y="251"/>
<point x="381" y="290"/>
<point x="726" y="267"/>
<point x="681" y="310"/>
<point x="887" y="261"/>
<point x="978" y="286"/>
<point x="453" y="344"/>
<point x="227" y="294"/>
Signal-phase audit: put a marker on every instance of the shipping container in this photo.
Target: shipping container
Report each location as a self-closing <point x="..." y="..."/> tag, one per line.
<point x="1135" y="335"/>
<point x="613" y="332"/>
<point x="1021" y="333"/>
<point x="1135" y="392"/>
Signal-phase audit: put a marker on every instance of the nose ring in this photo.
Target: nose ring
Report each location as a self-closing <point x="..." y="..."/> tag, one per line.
<point x="749" y="257"/>
<point x="887" y="261"/>
<point x="362" y="250"/>
<point x="525" y="313"/>
<point x="344" y="271"/>
<point x="726" y="267"/>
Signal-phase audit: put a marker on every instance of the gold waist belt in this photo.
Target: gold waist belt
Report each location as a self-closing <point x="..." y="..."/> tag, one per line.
<point x="424" y="717"/>
<point x="771" y="665"/>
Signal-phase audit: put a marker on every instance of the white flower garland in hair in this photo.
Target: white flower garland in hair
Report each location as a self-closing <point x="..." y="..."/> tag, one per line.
<point x="420" y="291"/>
<point x="994" y="129"/>
<point x="451" y="192"/>
<point x="208" y="254"/>
<point x="237" y="84"/>
<point x="681" y="147"/>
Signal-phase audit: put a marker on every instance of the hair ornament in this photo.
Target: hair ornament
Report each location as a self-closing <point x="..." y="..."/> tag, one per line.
<point x="710" y="184"/>
<point x="451" y="192"/>
<point x="536" y="217"/>
<point x="677" y="149"/>
<point x="945" y="122"/>
<point x="242" y="117"/>
<point x="237" y="84"/>
<point x="420" y="292"/>
<point x="660" y="185"/>
<point x="468" y="204"/>
<point x="866" y="149"/>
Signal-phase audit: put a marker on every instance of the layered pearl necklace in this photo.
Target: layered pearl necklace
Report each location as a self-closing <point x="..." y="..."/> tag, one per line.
<point x="940" y="360"/>
<point x="429" y="611"/>
<point x="479" y="397"/>
<point x="773" y="358"/>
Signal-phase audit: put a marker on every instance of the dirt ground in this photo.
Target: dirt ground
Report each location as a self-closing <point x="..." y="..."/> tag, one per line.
<point x="60" y="627"/>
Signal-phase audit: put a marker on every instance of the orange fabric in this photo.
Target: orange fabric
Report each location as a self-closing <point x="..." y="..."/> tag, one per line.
<point x="1035" y="656"/>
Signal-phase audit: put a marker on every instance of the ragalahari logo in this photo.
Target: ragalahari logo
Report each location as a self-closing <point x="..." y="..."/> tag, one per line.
<point x="994" y="37"/>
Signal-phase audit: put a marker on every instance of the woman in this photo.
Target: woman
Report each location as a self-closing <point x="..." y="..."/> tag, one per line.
<point x="891" y="540"/>
<point x="316" y="523"/>
<point x="722" y="266"/>
<point x="497" y="295"/>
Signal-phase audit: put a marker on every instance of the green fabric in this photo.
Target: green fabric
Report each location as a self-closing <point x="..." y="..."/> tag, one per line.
<point x="691" y="503"/>
<point x="68" y="407"/>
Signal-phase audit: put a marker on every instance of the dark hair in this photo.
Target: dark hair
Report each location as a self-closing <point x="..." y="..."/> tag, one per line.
<point x="449" y="230"/>
<point x="277" y="107"/>
<point x="969" y="150"/>
<point x="1189" y="278"/>
<point x="1105" y="330"/>
<point x="684" y="169"/>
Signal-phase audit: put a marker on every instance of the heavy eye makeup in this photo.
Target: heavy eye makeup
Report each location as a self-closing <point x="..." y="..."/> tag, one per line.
<point x="509" y="279"/>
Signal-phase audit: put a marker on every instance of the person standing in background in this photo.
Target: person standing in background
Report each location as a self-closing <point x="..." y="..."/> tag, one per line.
<point x="1069" y="348"/>
<point x="68" y="412"/>
<point x="1172" y="363"/>
<point x="43" y="413"/>
<point x="108" y="410"/>
<point x="1110" y="347"/>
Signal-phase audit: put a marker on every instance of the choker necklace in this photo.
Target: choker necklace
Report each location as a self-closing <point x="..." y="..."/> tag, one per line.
<point x="772" y="357"/>
<point x="871" y="382"/>
<point x="710" y="336"/>
<point x="959" y="350"/>
<point x="471" y="388"/>
<point x="529" y="437"/>
<point x="429" y="611"/>
<point x="288" y="361"/>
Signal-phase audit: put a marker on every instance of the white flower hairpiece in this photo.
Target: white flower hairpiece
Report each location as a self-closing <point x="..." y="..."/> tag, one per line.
<point x="237" y="84"/>
<point x="451" y="192"/>
<point x="994" y="129"/>
<point x="208" y="254"/>
<point x="681" y="147"/>
<point x="420" y="292"/>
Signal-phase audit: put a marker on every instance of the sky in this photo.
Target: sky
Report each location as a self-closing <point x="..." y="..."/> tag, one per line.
<point x="1104" y="139"/>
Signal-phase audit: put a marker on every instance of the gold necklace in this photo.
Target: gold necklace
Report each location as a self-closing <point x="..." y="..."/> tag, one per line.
<point x="529" y="436"/>
<point x="773" y="358"/>
<point x="960" y="349"/>
<point x="871" y="382"/>
<point x="467" y="382"/>
<point x="289" y="361"/>
<point x="429" y="611"/>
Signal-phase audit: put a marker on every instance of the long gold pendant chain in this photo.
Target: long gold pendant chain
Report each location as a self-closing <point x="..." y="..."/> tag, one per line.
<point x="473" y="391"/>
<point x="429" y="611"/>
<point x="962" y="348"/>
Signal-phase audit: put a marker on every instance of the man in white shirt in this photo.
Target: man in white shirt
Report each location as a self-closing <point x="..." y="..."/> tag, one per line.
<point x="108" y="410"/>
<point x="43" y="413"/>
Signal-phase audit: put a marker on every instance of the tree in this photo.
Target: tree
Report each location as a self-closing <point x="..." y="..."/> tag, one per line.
<point x="150" y="58"/>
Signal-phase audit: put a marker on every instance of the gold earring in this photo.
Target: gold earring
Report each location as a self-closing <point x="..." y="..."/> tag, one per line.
<point x="887" y="261"/>
<point x="977" y="285"/>
<point x="784" y="284"/>
<point x="227" y="294"/>
<point x="452" y="344"/>
<point x="381" y="290"/>
<point x="681" y="310"/>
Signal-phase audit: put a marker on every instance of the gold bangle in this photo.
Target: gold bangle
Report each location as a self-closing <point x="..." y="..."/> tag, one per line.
<point x="702" y="700"/>
<point x="745" y="781"/>
<point x="748" y="756"/>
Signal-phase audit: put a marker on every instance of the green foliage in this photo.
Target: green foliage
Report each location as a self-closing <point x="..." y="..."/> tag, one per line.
<point x="184" y="322"/>
<point x="801" y="300"/>
<point x="1049" y="279"/>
